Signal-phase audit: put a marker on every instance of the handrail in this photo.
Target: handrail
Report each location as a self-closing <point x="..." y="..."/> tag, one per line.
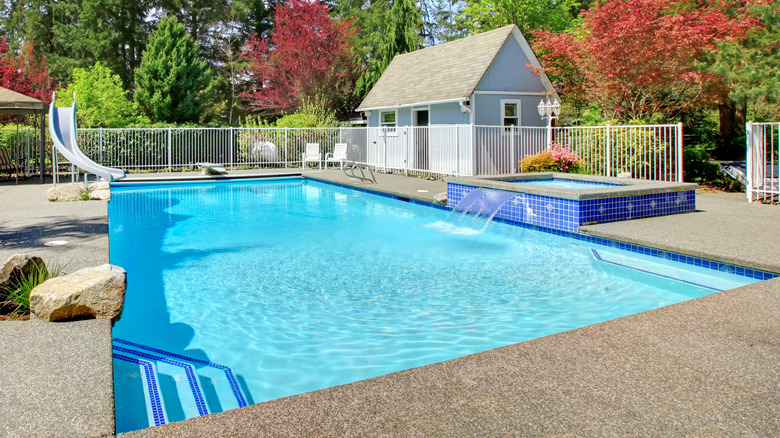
<point x="351" y="165"/>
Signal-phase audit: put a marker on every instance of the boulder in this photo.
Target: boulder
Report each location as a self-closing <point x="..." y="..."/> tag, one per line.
<point x="99" y="190"/>
<point x="440" y="198"/>
<point x="17" y="266"/>
<point x="97" y="292"/>
<point x="66" y="192"/>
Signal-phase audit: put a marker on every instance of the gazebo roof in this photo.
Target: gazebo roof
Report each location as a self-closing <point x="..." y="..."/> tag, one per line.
<point x="12" y="102"/>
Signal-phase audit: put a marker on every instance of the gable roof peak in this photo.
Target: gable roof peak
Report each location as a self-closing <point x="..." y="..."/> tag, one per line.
<point x="447" y="71"/>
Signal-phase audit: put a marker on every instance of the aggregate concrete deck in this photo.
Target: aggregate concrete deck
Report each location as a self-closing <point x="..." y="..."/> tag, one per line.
<point x="28" y="220"/>
<point x="56" y="379"/>
<point x="724" y="227"/>
<point x="709" y="366"/>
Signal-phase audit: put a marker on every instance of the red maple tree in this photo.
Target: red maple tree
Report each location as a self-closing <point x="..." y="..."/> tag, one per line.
<point x="20" y="72"/>
<point x="308" y="56"/>
<point x="637" y="58"/>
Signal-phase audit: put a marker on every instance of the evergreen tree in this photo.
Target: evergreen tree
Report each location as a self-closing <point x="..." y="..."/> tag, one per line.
<point x="117" y="31"/>
<point x="172" y="85"/>
<point x="401" y="35"/>
<point x="751" y="67"/>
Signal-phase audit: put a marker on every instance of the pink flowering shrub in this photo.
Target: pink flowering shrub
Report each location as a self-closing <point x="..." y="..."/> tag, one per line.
<point x="566" y="158"/>
<point x="560" y="158"/>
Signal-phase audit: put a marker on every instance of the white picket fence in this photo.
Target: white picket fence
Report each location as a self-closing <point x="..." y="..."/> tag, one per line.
<point x="763" y="161"/>
<point x="648" y="152"/>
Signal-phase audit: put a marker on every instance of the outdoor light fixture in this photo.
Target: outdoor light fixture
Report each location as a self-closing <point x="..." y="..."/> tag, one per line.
<point x="547" y="109"/>
<point x="551" y="110"/>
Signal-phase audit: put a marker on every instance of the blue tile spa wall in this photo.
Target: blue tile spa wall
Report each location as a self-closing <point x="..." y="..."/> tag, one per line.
<point x="569" y="215"/>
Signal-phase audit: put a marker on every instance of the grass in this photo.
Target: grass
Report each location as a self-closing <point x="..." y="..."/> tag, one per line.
<point x="15" y="299"/>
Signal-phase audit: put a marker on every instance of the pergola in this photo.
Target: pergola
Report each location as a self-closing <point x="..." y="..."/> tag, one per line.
<point x="15" y="103"/>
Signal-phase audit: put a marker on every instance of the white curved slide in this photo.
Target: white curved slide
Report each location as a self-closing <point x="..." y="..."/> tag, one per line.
<point x="62" y="126"/>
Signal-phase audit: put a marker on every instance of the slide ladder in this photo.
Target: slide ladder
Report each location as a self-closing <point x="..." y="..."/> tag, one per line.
<point x="62" y="126"/>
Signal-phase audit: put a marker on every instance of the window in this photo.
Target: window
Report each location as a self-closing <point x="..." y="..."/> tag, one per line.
<point x="387" y="122"/>
<point x="510" y="112"/>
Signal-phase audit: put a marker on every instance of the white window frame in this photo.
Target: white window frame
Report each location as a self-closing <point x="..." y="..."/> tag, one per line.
<point x="502" y="108"/>
<point x="387" y="128"/>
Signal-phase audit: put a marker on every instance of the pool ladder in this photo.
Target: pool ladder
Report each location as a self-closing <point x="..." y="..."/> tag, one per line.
<point x="193" y="387"/>
<point x="352" y="165"/>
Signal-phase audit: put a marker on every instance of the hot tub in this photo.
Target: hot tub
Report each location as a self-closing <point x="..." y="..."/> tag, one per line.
<point x="565" y="201"/>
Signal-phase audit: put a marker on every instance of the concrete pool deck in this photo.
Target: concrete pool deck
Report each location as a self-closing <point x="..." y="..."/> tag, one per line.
<point x="709" y="366"/>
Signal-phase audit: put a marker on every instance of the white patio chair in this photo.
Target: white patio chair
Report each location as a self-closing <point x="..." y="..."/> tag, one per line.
<point x="339" y="155"/>
<point x="312" y="155"/>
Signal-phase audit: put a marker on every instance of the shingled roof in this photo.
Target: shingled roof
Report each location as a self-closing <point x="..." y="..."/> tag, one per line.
<point x="448" y="71"/>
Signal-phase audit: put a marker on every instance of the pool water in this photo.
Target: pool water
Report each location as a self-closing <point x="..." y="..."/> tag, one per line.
<point x="298" y="285"/>
<point x="569" y="184"/>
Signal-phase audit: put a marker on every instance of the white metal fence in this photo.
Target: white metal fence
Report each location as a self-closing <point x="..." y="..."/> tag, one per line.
<point x="648" y="151"/>
<point x="23" y="146"/>
<point x="653" y="152"/>
<point x="763" y="171"/>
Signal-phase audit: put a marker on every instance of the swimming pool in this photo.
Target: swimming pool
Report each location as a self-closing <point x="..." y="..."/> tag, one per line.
<point x="297" y="285"/>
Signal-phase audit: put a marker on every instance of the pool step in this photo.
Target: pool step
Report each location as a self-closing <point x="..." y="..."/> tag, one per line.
<point x="183" y="387"/>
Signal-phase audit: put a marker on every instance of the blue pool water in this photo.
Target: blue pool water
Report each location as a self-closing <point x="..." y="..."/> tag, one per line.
<point x="297" y="285"/>
<point x="569" y="184"/>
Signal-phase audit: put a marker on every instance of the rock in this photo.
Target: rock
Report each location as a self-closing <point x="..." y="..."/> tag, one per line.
<point x="99" y="191"/>
<point x="624" y="175"/>
<point x="17" y="266"/>
<point x="98" y="292"/>
<point x="66" y="192"/>
<point x="440" y="198"/>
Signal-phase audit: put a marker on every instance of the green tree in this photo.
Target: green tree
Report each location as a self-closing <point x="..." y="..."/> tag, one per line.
<point x="483" y="15"/>
<point x="117" y="31"/>
<point x="172" y="85"/>
<point x="101" y="100"/>
<point x="751" y="66"/>
<point x="402" y="34"/>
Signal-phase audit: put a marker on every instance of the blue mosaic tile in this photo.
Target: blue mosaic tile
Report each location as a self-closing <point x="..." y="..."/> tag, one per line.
<point x="158" y="415"/>
<point x="192" y="379"/>
<point x="231" y="378"/>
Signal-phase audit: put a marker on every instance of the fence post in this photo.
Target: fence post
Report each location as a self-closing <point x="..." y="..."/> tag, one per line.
<point x="680" y="152"/>
<point x="100" y="145"/>
<point x="170" y="155"/>
<point x="230" y="147"/>
<point x="473" y="148"/>
<point x="285" y="148"/>
<point x="512" y="146"/>
<point x="749" y="164"/>
<point x="406" y="149"/>
<point x="609" y="152"/>
<point x="457" y="149"/>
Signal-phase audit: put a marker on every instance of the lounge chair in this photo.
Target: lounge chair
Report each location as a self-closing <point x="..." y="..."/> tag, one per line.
<point x="8" y="166"/>
<point x="312" y="155"/>
<point x="339" y="155"/>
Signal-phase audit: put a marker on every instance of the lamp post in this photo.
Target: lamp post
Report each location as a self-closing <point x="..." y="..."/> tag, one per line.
<point x="551" y="110"/>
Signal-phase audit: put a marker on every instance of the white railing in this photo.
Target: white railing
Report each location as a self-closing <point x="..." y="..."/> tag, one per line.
<point x="653" y="152"/>
<point x="763" y="173"/>
<point x="647" y="152"/>
<point x="24" y="148"/>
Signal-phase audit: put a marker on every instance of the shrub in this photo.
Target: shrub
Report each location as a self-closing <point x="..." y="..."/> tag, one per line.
<point x="15" y="298"/>
<point x="560" y="158"/>
<point x="541" y="162"/>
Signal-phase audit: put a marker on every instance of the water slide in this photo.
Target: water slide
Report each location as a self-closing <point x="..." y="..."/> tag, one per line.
<point x="62" y="126"/>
